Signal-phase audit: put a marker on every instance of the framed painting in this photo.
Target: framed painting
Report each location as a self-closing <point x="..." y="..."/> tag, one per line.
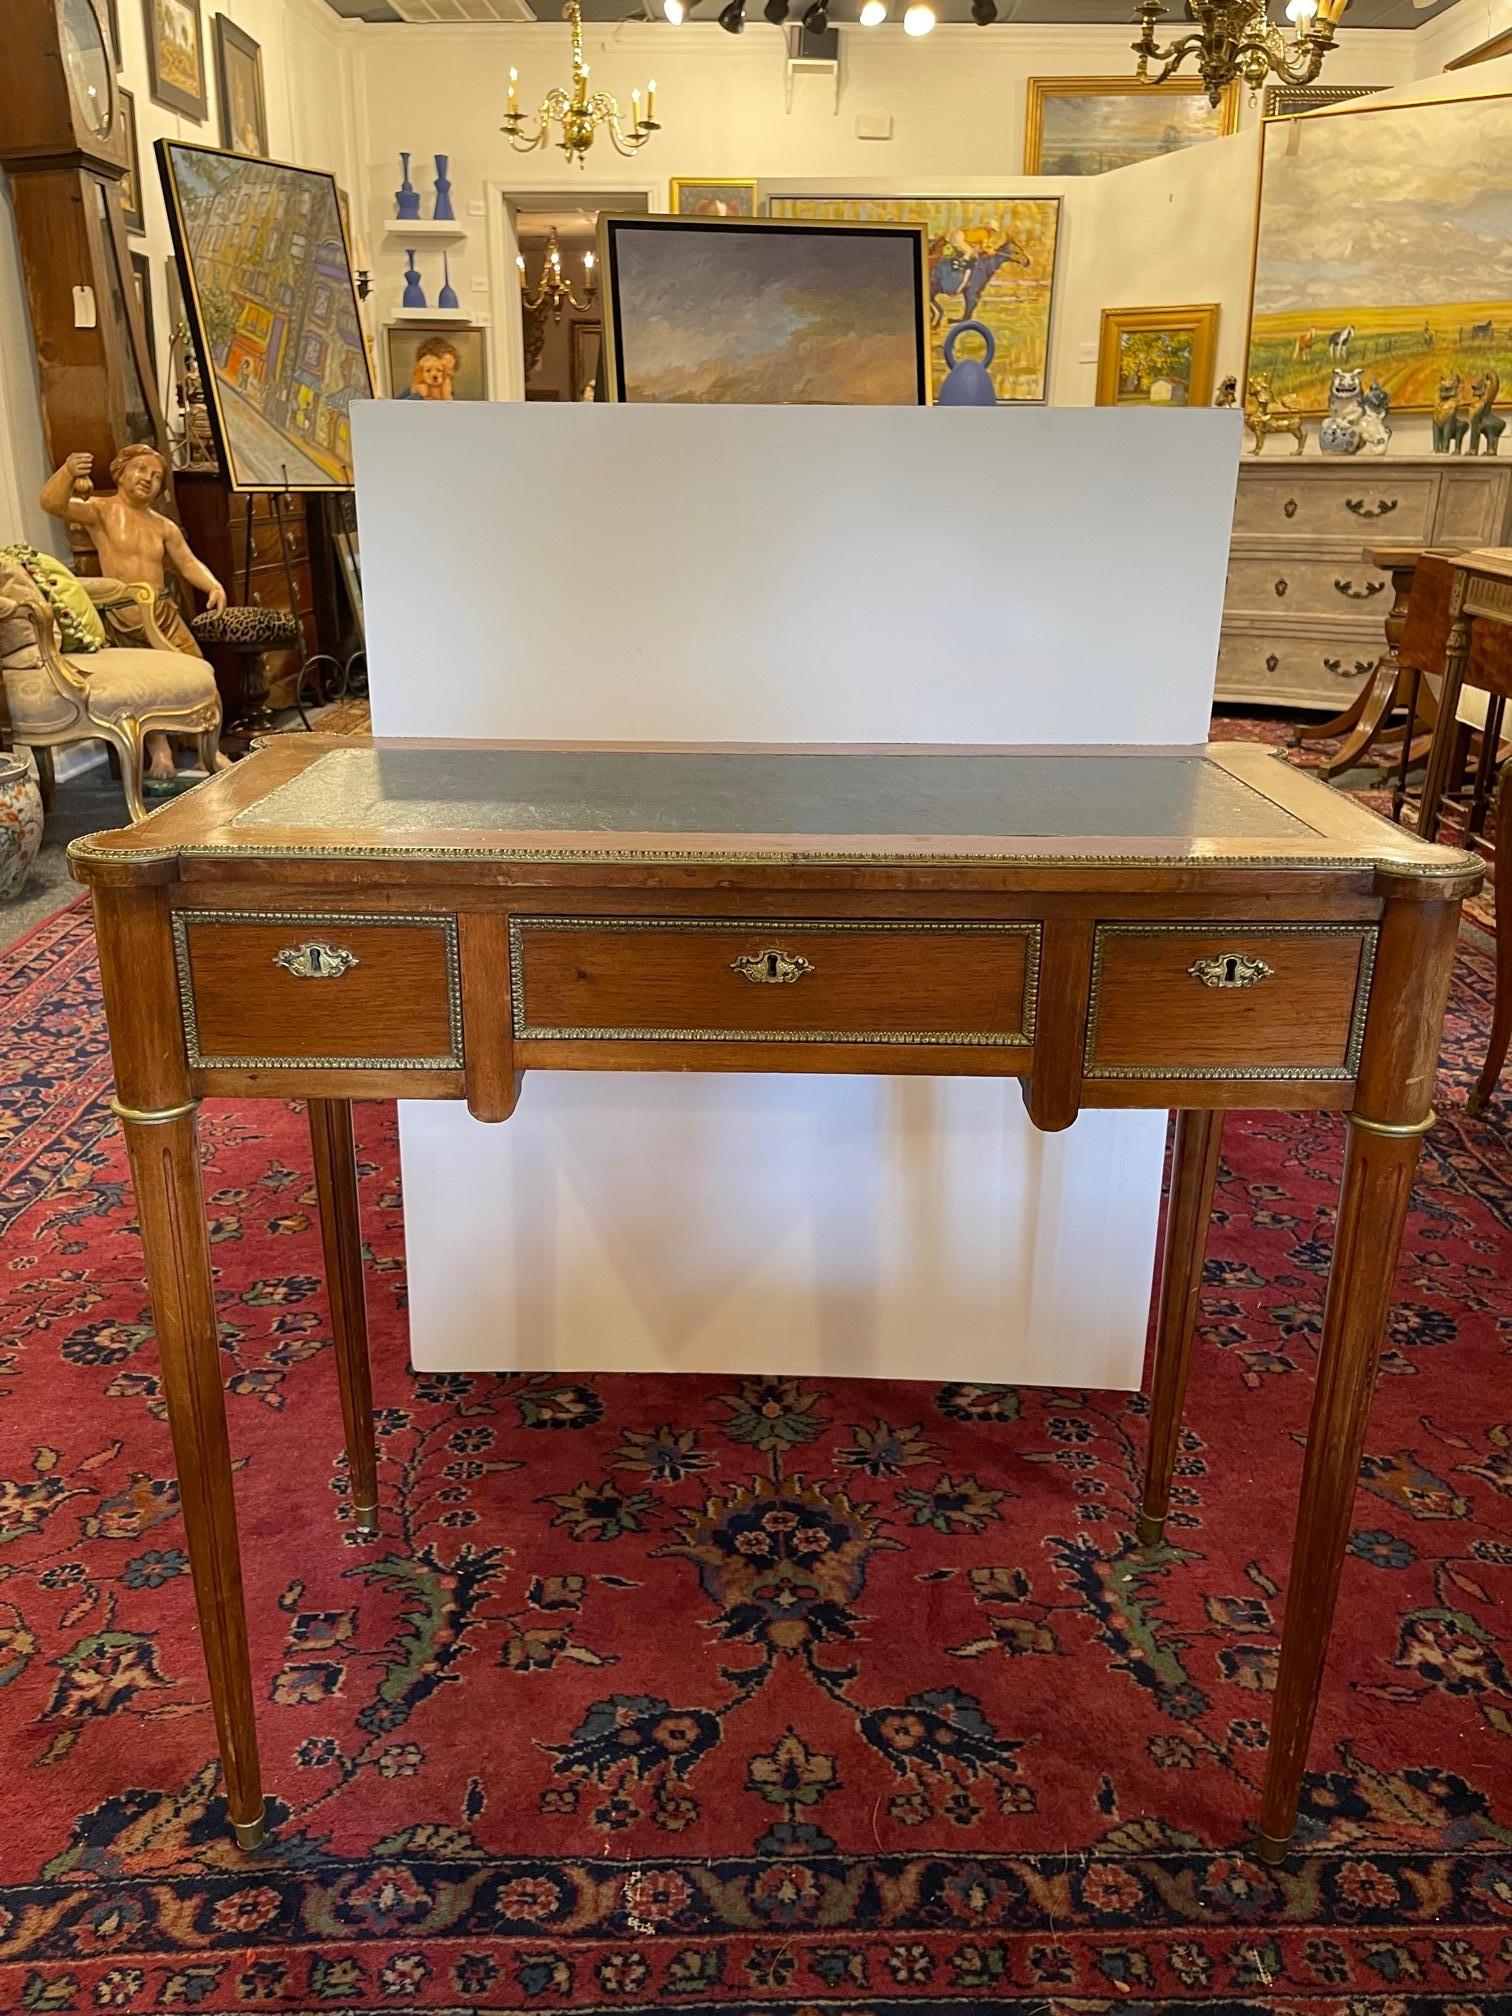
<point x="1384" y="247"/>
<point x="449" y="362"/>
<point x="1157" y="356"/>
<point x="991" y="258"/>
<point x="243" y="108"/>
<point x="712" y="198"/>
<point x="761" y="312"/>
<point x="141" y="280"/>
<point x="1286" y="101"/>
<point x="131" y="182"/>
<point x="175" y="31"/>
<point x="272" y="310"/>
<point x="1089" y="125"/>
<point x="587" y="347"/>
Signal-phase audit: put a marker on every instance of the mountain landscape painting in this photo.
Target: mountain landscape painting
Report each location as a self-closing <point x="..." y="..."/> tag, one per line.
<point x="1385" y="246"/>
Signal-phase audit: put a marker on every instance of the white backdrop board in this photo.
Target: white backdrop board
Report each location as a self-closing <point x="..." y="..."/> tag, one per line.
<point x="788" y="574"/>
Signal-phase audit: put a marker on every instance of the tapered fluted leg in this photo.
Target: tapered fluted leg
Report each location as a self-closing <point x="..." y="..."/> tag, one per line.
<point x="1378" y="1170"/>
<point x="341" y="1236"/>
<point x="165" y="1170"/>
<point x="1194" y="1171"/>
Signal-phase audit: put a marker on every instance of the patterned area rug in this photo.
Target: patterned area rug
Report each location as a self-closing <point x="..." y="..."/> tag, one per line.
<point x="721" y="1695"/>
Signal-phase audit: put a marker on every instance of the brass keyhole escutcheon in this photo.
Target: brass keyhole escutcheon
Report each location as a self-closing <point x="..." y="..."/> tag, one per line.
<point x="1230" y="969"/>
<point x="771" y="968"/>
<point x="315" y="960"/>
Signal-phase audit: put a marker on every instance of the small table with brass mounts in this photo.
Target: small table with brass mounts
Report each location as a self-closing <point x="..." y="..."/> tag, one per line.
<point x="1153" y="927"/>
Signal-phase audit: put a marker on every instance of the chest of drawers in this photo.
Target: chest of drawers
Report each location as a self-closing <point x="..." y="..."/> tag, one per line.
<point x="1303" y="614"/>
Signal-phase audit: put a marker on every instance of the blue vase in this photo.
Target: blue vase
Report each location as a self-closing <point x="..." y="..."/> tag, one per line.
<point x="447" y="298"/>
<point x="414" y="293"/>
<point x="443" y="212"/>
<point x="968" y="383"/>
<point x="406" y="196"/>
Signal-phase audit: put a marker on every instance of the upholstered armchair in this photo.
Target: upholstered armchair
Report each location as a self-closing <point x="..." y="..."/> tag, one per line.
<point x="118" y="695"/>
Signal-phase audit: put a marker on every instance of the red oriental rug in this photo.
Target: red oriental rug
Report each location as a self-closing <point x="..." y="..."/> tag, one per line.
<point x="727" y="1696"/>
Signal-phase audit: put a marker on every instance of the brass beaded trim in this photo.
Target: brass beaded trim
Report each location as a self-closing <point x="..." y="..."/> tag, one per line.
<point x="758" y="926"/>
<point x="1253" y="1073"/>
<point x="1458" y="863"/>
<point x="446" y="925"/>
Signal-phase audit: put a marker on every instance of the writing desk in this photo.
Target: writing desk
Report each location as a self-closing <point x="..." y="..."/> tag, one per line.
<point x="1198" y="928"/>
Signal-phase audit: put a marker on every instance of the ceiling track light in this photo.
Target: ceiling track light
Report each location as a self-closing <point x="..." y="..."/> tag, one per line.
<point x="776" y="11"/>
<point x="816" y="20"/>
<point x="919" y="19"/>
<point x="674" y="11"/>
<point x="984" y="12"/>
<point x="873" y="13"/>
<point x="732" y="17"/>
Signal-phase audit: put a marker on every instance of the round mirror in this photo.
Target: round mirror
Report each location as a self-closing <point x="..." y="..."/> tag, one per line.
<point x="87" y="60"/>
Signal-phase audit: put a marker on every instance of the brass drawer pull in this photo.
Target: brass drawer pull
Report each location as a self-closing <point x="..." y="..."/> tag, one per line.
<point x="1342" y="671"/>
<point x="1360" y="594"/>
<point x="1230" y="969"/>
<point x="1384" y="506"/>
<point x="315" y="960"/>
<point x="771" y="969"/>
<point x="1290" y="507"/>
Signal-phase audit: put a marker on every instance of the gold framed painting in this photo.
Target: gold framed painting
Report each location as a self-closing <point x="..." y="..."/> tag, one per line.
<point x="131" y="182"/>
<point x="752" y="311"/>
<point x="1090" y="125"/>
<point x="1157" y="356"/>
<point x="1360" y="266"/>
<point x="991" y="259"/>
<point x="711" y="197"/>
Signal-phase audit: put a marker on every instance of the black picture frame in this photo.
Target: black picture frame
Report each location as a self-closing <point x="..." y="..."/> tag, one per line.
<point x="234" y="48"/>
<point x="729" y="234"/>
<point x="166" y="91"/>
<point x="141" y="274"/>
<point x="132" y="213"/>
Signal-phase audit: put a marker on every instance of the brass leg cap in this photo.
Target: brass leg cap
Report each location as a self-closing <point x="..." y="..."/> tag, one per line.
<point x="1272" y="1850"/>
<point x="1476" y="1107"/>
<point x="365" y="1518"/>
<point x="1151" y="1530"/>
<point x="251" y="1834"/>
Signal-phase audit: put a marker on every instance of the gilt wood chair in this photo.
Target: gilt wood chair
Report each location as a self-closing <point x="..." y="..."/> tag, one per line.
<point x="119" y="695"/>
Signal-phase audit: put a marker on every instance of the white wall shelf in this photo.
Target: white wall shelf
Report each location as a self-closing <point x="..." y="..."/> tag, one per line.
<point x="423" y="231"/>
<point x="441" y="315"/>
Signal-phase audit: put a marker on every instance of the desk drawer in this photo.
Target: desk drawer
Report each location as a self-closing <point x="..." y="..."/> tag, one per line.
<point x="663" y="979"/>
<point x="1229" y="1000"/>
<point x="329" y="990"/>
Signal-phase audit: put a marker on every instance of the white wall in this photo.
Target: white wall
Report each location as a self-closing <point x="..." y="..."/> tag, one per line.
<point x="308" y="85"/>
<point x="956" y="100"/>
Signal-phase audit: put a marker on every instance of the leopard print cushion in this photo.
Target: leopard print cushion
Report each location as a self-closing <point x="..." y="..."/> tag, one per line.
<point x="247" y="627"/>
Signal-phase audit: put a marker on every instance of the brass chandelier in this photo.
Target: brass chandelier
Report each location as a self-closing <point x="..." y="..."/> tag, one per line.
<point x="578" y="112"/>
<point x="553" y="291"/>
<point x="1237" y="39"/>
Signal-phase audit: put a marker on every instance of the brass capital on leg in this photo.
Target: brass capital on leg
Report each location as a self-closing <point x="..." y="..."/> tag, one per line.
<point x="152" y="1116"/>
<point x="1401" y="1130"/>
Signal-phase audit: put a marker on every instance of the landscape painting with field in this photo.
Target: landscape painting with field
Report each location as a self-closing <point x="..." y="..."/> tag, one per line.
<point x="991" y="259"/>
<point x="1385" y="244"/>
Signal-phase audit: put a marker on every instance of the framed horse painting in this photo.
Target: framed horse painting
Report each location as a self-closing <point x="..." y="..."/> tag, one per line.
<point x="1384" y="253"/>
<point x="991" y="260"/>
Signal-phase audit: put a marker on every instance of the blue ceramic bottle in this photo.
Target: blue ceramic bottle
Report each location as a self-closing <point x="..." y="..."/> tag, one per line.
<point x="406" y="196"/>
<point x="447" y="298"/>
<point x="443" y="212"/>
<point x="414" y="294"/>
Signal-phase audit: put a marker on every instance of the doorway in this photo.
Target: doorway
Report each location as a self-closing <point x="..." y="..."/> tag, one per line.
<point x="549" y="351"/>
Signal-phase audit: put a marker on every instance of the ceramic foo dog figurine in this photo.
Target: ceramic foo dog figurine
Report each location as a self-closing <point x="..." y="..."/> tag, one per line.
<point x="1486" y="425"/>
<point x="1262" y="417"/>
<point x="1375" y="427"/>
<point x="1342" y="431"/>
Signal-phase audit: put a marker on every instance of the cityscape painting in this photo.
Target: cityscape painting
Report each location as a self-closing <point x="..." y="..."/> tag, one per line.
<point x="273" y="311"/>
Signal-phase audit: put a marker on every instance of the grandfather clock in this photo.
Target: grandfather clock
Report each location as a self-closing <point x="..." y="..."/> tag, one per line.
<point x="63" y="143"/>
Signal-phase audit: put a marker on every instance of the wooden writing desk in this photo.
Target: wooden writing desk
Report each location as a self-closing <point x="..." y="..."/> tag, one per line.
<point x="1162" y="927"/>
<point x="1482" y="588"/>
